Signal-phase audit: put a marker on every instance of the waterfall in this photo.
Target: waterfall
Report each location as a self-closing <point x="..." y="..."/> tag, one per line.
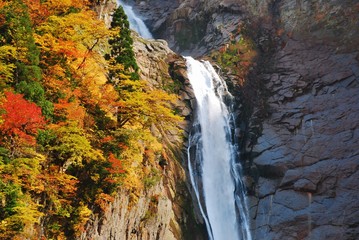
<point x="214" y="173"/>
<point x="136" y="23"/>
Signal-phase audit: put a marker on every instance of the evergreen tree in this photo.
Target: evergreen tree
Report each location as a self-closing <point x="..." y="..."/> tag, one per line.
<point x="121" y="48"/>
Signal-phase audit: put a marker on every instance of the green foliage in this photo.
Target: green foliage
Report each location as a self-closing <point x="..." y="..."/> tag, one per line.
<point x="236" y="56"/>
<point x="35" y="92"/>
<point x="45" y="138"/>
<point x="121" y="47"/>
<point x="9" y="198"/>
<point x="27" y="72"/>
<point x="9" y="194"/>
<point x="17" y="31"/>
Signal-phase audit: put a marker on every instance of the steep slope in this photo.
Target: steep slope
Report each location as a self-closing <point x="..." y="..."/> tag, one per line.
<point x="88" y="150"/>
<point x="163" y="210"/>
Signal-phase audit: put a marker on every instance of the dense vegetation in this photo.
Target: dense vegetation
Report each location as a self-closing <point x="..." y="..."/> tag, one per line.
<point x="75" y="120"/>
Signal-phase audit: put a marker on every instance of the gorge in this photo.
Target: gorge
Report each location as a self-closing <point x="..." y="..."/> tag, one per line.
<point x="108" y="133"/>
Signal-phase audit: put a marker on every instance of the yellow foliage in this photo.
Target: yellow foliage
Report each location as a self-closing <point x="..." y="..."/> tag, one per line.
<point x="84" y="214"/>
<point x="6" y="67"/>
<point x="145" y="106"/>
<point x="82" y="28"/>
<point x="80" y="39"/>
<point x="62" y="6"/>
<point x="74" y="148"/>
<point x="26" y="213"/>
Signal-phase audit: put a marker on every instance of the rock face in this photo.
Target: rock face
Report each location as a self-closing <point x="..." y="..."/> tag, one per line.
<point x="305" y="160"/>
<point x="301" y="156"/>
<point x="195" y="27"/>
<point x="306" y="156"/>
<point x="192" y="27"/>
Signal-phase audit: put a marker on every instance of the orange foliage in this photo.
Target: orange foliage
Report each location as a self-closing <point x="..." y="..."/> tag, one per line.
<point x="103" y="200"/>
<point x="116" y="165"/>
<point x="107" y="139"/>
<point x="21" y="118"/>
<point x="70" y="110"/>
<point x="57" y="7"/>
<point x="39" y="12"/>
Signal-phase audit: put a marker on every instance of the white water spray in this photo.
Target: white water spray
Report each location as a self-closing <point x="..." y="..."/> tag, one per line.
<point x="136" y="23"/>
<point x="221" y="197"/>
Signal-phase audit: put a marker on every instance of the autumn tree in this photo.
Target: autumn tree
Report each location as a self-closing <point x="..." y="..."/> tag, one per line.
<point x="143" y="106"/>
<point x="22" y="65"/>
<point x="71" y="59"/>
<point x="21" y="121"/>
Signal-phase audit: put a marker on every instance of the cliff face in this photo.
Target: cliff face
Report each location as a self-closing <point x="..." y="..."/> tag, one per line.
<point x="305" y="163"/>
<point x="300" y="108"/>
<point x="192" y="27"/>
<point x="306" y="156"/>
<point x="164" y="210"/>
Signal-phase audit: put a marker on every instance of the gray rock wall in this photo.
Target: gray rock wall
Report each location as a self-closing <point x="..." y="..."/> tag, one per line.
<point x="307" y="155"/>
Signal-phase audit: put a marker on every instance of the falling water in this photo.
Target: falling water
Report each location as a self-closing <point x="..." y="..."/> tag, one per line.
<point x="214" y="172"/>
<point x="136" y="23"/>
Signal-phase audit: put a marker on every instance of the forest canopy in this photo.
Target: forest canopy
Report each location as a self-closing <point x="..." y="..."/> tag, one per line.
<point x="75" y="119"/>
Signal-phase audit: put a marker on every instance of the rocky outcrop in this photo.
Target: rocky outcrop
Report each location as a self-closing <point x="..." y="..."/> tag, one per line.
<point x="196" y="27"/>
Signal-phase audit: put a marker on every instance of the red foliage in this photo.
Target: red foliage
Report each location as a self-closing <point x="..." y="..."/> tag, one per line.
<point x="21" y="118"/>
<point x="116" y="165"/>
<point x="107" y="139"/>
